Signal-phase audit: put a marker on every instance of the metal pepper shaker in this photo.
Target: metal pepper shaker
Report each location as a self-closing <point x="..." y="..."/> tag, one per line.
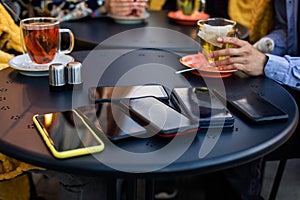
<point x="57" y="79"/>
<point x="74" y="75"/>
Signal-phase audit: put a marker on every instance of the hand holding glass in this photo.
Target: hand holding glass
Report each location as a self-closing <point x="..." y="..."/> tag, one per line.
<point x="209" y="30"/>
<point x="41" y="38"/>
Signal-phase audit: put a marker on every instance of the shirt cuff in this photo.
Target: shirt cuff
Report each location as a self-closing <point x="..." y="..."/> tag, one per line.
<point x="277" y="68"/>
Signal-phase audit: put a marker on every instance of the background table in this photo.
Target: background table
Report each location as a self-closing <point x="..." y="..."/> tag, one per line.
<point x="93" y="31"/>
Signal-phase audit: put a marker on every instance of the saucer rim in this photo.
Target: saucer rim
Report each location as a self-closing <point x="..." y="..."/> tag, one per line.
<point x="130" y="19"/>
<point x="181" y="60"/>
<point x="17" y="66"/>
<point x="34" y="74"/>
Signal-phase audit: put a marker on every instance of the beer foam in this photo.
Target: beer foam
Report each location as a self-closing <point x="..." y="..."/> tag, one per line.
<point x="211" y="33"/>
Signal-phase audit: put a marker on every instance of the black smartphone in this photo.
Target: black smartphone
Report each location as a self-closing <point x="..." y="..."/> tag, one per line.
<point x="111" y="93"/>
<point x="253" y="107"/>
<point x="66" y="134"/>
<point x="112" y="121"/>
<point x="203" y="106"/>
<point x="159" y="117"/>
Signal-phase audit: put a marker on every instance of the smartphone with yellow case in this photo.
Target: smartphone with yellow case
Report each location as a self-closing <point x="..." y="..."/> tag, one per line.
<point x="67" y="134"/>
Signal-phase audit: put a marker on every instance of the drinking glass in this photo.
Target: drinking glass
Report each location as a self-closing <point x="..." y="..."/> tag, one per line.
<point x="209" y="30"/>
<point x="188" y="7"/>
<point x="41" y="38"/>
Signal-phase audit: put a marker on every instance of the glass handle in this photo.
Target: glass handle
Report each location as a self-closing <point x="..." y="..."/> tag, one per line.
<point x="72" y="41"/>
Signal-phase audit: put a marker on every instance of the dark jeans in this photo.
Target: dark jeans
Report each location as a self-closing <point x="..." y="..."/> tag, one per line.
<point x="238" y="183"/>
<point x="76" y="187"/>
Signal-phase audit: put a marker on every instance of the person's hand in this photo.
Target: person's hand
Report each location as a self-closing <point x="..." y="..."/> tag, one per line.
<point x="242" y="56"/>
<point x="127" y="7"/>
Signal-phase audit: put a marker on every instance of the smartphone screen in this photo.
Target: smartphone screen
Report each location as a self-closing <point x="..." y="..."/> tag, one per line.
<point x="112" y="121"/>
<point x="254" y="107"/>
<point x="67" y="135"/>
<point x="109" y="93"/>
<point x="160" y="117"/>
<point x="203" y="106"/>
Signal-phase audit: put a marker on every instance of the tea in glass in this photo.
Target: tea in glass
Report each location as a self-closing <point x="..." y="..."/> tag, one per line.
<point x="41" y="38"/>
<point x="209" y="30"/>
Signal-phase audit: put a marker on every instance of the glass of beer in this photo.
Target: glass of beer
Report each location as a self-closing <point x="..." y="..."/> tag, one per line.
<point x="41" y="38"/>
<point x="209" y="30"/>
<point x="188" y="7"/>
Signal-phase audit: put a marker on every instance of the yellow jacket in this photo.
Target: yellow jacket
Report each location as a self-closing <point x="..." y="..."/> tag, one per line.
<point x="9" y="37"/>
<point x="256" y="15"/>
<point x="14" y="184"/>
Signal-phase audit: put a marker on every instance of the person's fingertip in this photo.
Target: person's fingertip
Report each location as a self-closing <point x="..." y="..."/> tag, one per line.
<point x="219" y="39"/>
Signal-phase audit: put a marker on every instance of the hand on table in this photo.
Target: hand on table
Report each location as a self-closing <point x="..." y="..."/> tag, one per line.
<point x="127" y="7"/>
<point x="242" y="56"/>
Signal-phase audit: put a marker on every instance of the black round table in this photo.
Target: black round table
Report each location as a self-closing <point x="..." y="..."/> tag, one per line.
<point x="209" y="150"/>
<point x="23" y="96"/>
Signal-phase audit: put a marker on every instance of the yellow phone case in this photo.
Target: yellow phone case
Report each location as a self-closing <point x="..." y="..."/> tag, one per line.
<point x="72" y="152"/>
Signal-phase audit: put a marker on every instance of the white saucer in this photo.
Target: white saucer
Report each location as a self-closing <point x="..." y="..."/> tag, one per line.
<point x="130" y="19"/>
<point x="28" y="68"/>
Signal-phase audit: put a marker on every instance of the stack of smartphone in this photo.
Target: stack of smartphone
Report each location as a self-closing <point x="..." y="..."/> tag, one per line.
<point x="159" y="117"/>
<point x="201" y="105"/>
<point x="117" y="113"/>
<point x="147" y="105"/>
<point x="123" y="112"/>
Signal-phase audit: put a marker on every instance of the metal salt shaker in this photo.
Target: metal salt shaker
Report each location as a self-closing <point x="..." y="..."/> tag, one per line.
<point x="74" y="75"/>
<point x="57" y="80"/>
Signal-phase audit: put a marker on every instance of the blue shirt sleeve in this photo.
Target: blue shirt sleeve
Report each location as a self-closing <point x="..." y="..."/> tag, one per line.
<point x="284" y="70"/>
<point x="284" y="34"/>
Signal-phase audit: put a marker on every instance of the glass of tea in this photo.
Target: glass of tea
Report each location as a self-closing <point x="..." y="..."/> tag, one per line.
<point x="209" y="30"/>
<point x="41" y="38"/>
<point x="188" y="7"/>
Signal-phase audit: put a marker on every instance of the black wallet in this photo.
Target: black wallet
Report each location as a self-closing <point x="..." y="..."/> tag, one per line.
<point x="202" y="105"/>
<point x="253" y="107"/>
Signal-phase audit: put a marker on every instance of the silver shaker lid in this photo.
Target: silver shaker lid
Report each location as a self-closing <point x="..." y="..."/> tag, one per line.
<point x="57" y="74"/>
<point x="74" y="72"/>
